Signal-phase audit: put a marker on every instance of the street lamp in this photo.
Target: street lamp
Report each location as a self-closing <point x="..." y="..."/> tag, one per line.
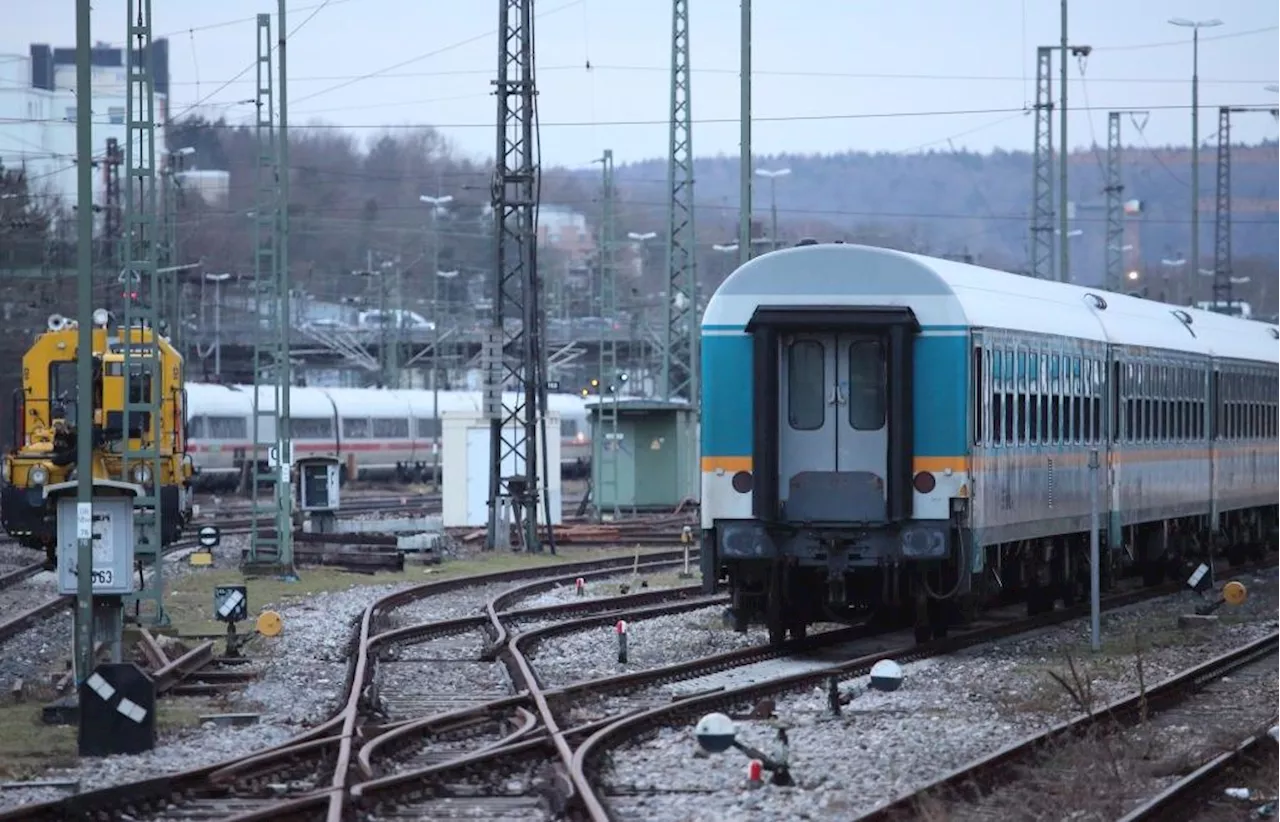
<point x="437" y="205"/>
<point x="217" y="280"/>
<point x="772" y="177"/>
<point x="640" y="240"/>
<point x="1195" y="26"/>
<point x="435" y="365"/>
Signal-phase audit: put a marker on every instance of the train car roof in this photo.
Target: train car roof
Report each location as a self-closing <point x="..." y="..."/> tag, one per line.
<point x="216" y="399"/>
<point x="375" y="402"/>
<point x="944" y="293"/>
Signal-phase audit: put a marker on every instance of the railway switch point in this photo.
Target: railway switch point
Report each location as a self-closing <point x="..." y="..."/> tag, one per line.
<point x="886" y="675"/>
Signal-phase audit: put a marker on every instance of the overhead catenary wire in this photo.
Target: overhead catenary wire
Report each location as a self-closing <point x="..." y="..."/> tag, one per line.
<point x="779" y="118"/>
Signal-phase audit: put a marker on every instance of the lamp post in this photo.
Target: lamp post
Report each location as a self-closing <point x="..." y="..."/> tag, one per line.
<point x="1195" y="26"/>
<point x="436" y="205"/>
<point x="772" y="177"/>
<point x="435" y="363"/>
<point x="640" y="239"/>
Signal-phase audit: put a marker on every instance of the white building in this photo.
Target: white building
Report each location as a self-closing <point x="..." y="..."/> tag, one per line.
<point x="212" y="186"/>
<point x="38" y="113"/>
<point x="566" y="230"/>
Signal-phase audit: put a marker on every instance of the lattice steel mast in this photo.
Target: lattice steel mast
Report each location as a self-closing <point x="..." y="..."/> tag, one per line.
<point x="680" y="346"/>
<point x="270" y="542"/>
<point x="1042" y="201"/>
<point x="1222" y="285"/>
<point x="1114" y="189"/>
<point x="140" y="461"/>
<point x="112" y="216"/>
<point x="283" y="321"/>
<point x="1222" y="215"/>
<point x="604" y="444"/>
<point x="513" y="349"/>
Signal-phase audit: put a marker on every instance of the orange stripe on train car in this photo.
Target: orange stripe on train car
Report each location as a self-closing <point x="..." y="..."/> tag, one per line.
<point x="931" y="464"/>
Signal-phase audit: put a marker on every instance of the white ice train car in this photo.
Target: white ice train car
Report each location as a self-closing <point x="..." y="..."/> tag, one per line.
<point x="375" y="433"/>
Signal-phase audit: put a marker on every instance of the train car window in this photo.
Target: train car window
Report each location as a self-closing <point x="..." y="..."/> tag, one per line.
<point x="568" y="429"/>
<point x="391" y="428"/>
<point x="195" y="428"/>
<point x="806" y="385"/>
<point x="355" y="428"/>
<point x="62" y="390"/>
<point x="430" y="428"/>
<point x="997" y="397"/>
<point x="311" y="428"/>
<point x="1033" y="419"/>
<point x="228" y="428"/>
<point x="1010" y="403"/>
<point x="140" y="382"/>
<point x="978" y="393"/>
<point x="986" y="388"/>
<point x="866" y="385"/>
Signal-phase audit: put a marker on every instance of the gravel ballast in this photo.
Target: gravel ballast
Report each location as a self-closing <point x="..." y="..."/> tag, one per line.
<point x="301" y="681"/>
<point x="662" y="640"/>
<point x="948" y="712"/>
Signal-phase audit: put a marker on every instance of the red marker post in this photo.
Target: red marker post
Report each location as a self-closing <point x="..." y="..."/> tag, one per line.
<point x="755" y="773"/>
<point x="580" y="585"/>
<point x="621" y="630"/>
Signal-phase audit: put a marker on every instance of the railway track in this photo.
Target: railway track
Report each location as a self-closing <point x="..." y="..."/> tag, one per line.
<point x="249" y="785"/>
<point x="15" y="599"/>
<point x="1083" y="764"/>
<point x="527" y="753"/>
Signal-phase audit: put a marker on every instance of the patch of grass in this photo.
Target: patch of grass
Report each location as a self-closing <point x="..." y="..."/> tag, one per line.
<point x="189" y="599"/>
<point x="28" y="747"/>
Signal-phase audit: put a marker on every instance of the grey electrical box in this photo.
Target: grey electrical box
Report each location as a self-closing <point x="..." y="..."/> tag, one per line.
<point x="318" y="488"/>
<point x="110" y="524"/>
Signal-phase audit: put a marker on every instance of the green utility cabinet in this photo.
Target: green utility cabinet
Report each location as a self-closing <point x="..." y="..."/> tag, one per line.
<point x="652" y="445"/>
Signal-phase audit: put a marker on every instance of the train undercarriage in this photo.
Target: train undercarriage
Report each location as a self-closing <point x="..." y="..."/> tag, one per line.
<point x="787" y="596"/>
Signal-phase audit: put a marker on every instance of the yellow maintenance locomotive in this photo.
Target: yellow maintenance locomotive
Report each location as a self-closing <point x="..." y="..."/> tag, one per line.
<point x="45" y="435"/>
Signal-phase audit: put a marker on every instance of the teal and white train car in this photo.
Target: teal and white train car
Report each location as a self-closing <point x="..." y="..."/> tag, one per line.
<point x="894" y="435"/>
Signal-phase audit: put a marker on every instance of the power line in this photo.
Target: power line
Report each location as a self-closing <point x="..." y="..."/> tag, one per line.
<point x="424" y="56"/>
<point x="251" y="65"/>
<point x="836" y="75"/>
<point x="781" y="118"/>
<point x="1203" y="39"/>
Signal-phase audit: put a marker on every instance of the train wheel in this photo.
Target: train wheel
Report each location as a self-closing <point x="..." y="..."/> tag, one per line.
<point x="1039" y="599"/>
<point x="923" y="613"/>
<point x="775" y="607"/>
<point x="939" y="617"/>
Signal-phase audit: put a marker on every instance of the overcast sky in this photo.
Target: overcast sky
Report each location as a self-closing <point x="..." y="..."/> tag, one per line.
<point x="830" y="75"/>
